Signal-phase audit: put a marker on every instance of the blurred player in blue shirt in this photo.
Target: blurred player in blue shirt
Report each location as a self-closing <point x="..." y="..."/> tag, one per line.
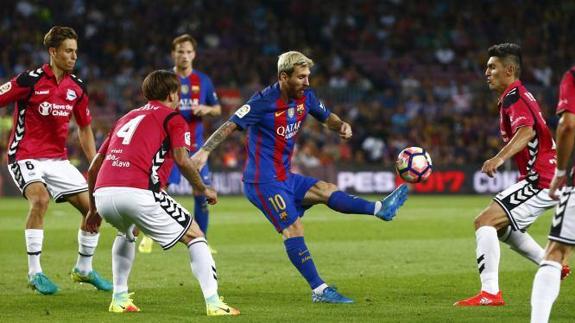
<point x="272" y="119"/>
<point x="198" y="99"/>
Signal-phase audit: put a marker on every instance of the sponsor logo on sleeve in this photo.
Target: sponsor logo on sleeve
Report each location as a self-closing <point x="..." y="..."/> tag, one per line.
<point x="188" y="138"/>
<point x="4" y="88"/>
<point x="321" y="106"/>
<point x="242" y="111"/>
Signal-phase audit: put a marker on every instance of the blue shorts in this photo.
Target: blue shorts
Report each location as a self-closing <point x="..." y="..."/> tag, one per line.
<point x="176" y="175"/>
<point x="281" y="202"/>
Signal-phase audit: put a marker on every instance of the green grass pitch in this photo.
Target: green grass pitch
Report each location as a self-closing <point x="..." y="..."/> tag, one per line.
<point x="409" y="270"/>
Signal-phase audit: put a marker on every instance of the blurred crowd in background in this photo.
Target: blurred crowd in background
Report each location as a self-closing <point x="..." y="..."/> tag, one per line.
<point x="402" y="73"/>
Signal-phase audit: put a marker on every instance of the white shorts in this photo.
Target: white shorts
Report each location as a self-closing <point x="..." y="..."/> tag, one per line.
<point x="563" y="224"/>
<point x="60" y="177"/>
<point x="157" y="215"/>
<point x="523" y="202"/>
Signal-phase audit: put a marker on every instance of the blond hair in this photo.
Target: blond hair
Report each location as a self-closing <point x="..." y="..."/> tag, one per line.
<point x="288" y="60"/>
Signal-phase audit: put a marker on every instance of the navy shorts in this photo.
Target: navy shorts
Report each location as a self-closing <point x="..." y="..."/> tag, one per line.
<point x="280" y="202"/>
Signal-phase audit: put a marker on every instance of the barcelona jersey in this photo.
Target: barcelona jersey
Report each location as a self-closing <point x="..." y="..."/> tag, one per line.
<point x="272" y="125"/>
<point x="196" y="89"/>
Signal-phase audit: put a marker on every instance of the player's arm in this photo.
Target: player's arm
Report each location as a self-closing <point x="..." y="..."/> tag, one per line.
<point x="208" y="110"/>
<point x="190" y="172"/>
<point x="201" y="156"/>
<point x="86" y="137"/>
<point x="333" y="122"/>
<point x="212" y="105"/>
<point x="93" y="219"/>
<point x="565" y="141"/>
<point x="15" y="89"/>
<point x="84" y="121"/>
<point x="519" y="141"/>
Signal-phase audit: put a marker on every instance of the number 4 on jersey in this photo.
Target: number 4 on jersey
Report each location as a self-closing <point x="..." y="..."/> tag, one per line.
<point x="128" y="129"/>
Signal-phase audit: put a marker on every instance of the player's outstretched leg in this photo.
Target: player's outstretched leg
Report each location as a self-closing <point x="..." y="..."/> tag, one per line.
<point x="83" y="271"/>
<point x="523" y="244"/>
<point x="204" y="269"/>
<point x="330" y="295"/>
<point x="123" y="253"/>
<point x="385" y="209"/>
<point x="392" y="203"/>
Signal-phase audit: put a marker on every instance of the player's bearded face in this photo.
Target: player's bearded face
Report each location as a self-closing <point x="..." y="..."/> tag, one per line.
<point x="298" y="82"/>
<point x="65" y="56"/>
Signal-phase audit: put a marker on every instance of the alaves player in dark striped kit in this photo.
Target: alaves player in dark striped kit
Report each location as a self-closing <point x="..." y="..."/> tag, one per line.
<point x="529" y="142"/>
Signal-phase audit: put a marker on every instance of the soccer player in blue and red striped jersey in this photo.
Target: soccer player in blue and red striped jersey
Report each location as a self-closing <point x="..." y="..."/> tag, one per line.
<point x="272" y="119"/>
<point x="198" y="99"/>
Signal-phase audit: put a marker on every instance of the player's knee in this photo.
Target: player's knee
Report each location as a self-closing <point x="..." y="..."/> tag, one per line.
<point x="556" y="251"/>
<point x="39" y="202"/>
<point x="294" y="230"/>
<point x="327" y="189"/>
<point x="483" y="219"/>
<point x="193" y="232"/>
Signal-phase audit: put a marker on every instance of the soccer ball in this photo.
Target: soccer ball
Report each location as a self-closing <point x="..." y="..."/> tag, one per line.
<point x="413" y="165"/>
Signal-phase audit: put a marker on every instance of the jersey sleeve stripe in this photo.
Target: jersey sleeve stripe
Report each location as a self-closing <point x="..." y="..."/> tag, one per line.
<point x="279" y="141"/>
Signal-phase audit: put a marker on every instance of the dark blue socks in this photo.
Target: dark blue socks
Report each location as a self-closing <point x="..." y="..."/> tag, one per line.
<point x="346" y="203"/>
<point x="301" y="259"/>
<point x="201" y="213"/>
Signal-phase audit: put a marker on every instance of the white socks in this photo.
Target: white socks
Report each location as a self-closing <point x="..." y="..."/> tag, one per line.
<point x="524" y="244"/>
<point x="488" y="254"/>
<point x="87" y="243"/>
<point x="545" y="290"/>
<point x="34" y="239"/>
<point x="203" y="266"/>
<point x="378" y="206"/>
<point x="123" y="253"/>
<point x="319" y="289"/>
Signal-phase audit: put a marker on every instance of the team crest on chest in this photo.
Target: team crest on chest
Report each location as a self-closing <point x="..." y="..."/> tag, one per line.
<point x="291" y="112"/>
<point x="195" y="89"/>
<point x="184" y="89"/>
<point x="300" y="109"/>
<point x="71" y="95"/>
